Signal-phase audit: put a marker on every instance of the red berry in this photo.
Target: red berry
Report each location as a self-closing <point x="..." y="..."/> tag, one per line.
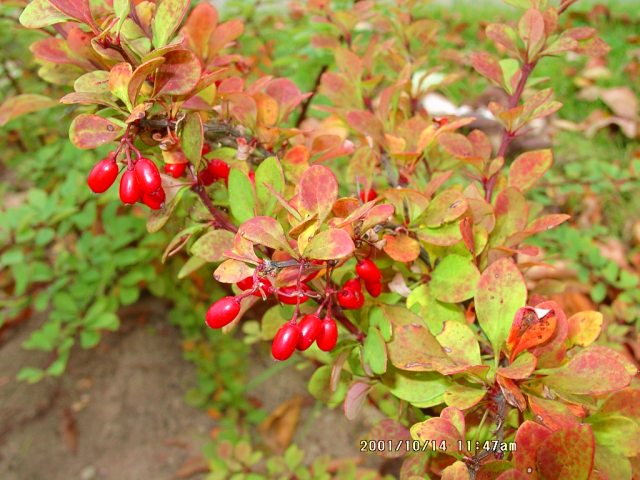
<point x="374" y="288"/>
<point x="154" y="200"/>
<point x="206" y="148"/>
<point x="129" y="189"/>
<point x="350" y="299"/>
<point x="368" y="271"/>
<point x="206" y="177"/>
<point x="314" y="273"/>
<point x="328" y="335"/>
<point x="175" y="169"/>
<point x="265" y="285"/>
<point x="103" y="174"/>
<point x="289" y="295"/>
<point x="219" y="169"/>
<point x="310" y="326"/>
<point x="353" y="284"/>
<point x="252" y="177"/>
<point x="367" y="196"/>
<point x="222" y="312"/>
<point x="285" y="341"/>
<point x="147" y="175"/>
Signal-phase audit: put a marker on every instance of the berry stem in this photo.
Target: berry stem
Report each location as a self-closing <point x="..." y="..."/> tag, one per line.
<point x="219" y="217"/>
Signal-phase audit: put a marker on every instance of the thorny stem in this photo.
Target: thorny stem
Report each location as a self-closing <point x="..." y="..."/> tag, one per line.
<point x="474" y="463"/>
<point x="507" y="135"/>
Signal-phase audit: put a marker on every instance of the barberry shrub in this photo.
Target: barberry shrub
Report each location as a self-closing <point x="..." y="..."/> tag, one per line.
<point x="375" y="231"/>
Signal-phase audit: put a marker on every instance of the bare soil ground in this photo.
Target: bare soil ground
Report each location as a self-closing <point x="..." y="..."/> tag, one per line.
<point x="118" y="412"/>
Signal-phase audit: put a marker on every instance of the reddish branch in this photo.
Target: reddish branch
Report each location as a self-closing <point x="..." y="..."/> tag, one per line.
<point x="507" y="135"/>
<point x="219" y="217"/>
<point x="309" y="99"/>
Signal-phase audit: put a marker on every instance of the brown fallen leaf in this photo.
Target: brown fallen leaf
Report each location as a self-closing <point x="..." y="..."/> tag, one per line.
<point x="278" y="429"/>
<point x="192" y="466"/>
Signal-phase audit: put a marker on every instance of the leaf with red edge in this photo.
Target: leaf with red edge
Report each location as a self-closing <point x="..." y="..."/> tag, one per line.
<point x="368" y="124"/>
<point x="625" y="402"/>
<point x="140" y="75"/>
<point x="501" y="292"/>
<point x="91" y="131"/>
<point x="223" y="35"/>
<point x="511" y="212"/>
<point x="460" y="343"/>
<point x="456" y="471"/>
<point x="14" y="107"/>
<point x="331" y="244"/>
<point x="179" y="73"/>
<point x="487" y="66"/>
<point x="78" y="9"/>
<point x="437" y="430"/>
<point x="167" y="18"/>
<point x="445" y="207"/>
<point x="200" y="24"/>
<point x="265" y="231"/>
<point x="503" y="35"/>
<point x="531" y="327"/>
<point x="567" y="454"/>
<point x="463" y="397"/>
<point x="554" y="415"/>
<point x="318" y="190"/>
<point x="119" y="78"/>
<point x="584" y="327"/>
<point x="531" y="31"/>
<point x="528" y="168"/>
<point x="590" y="372"/>
<point x="401" y="247"/>
<point x="41" y="13"/>
<point x="232" y="271"/>
<point x="212" y="245"/>
<point x="553" y="351"/>
<point x="521" y="368"/>
<point x="378" y="214"/>
<point x="355" y="398"/>
<point x="529" y="437"/>
<point x="511" y="392"/>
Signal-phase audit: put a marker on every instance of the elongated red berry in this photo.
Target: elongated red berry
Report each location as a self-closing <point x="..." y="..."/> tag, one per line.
<point x="175" y="169"/>
<point x="353" y="284"/>
<point x="219" y="169"/>
<point x="129" y="189"/>
<point x="222" y="312"/>
<point x="289" y="295"/>
<point x="147" y="175"/>
<point x="103" y="174"/>
<point x="285" y="341"/>
<point x="368" y="195"/>
<point x="328" y="335"/>
<point x="368" y="271"/>
<point x="374" y="288"/>
<point x="350" y="299"/>
<point x="206" y="177"/>
<point x="310" y="326"/>
<point x="206" y="148"/>
<point x="265" y="285"/>
<point x="154" y="200"/>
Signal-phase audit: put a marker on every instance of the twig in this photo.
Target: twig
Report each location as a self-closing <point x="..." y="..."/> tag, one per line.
<point x="309" y="99"/>
<point x="565" y="4"/>
<point x="219" y="217"/>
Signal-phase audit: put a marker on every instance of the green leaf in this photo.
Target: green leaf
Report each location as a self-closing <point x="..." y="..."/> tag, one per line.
<point x="168" y="16"/>
<point x="30" y="374"/>
<point x="212" y="245"/>
<point x="501" y="292"/>
<point x="319" y="386"/>
<point x="119" y="78"/>
<point x="193" y="138"/>
<point x="89" y="338"/>
<point x="454" y="279"/>
<point x="620" y="434"/>
<point x="269" y="172"/>
<point x="375" y="352"/>
<point x="40" y="13"/>
<point x="105" y="321"/>
<point x="241" y="196"/>
<point x="421" y="389"/>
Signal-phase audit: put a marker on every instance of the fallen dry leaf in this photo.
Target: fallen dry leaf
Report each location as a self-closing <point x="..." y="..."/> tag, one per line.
<point x="278" y="429"/>
<point x="192" y="466"/>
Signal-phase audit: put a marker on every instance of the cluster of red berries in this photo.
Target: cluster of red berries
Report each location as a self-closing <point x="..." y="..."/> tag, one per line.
<point x="301" y="335"/>
<point x="140" y="181"/>
<point x="350" y="297"/>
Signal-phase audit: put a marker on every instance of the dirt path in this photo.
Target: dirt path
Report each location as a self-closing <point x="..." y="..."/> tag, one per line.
<point x="120" y="404"/>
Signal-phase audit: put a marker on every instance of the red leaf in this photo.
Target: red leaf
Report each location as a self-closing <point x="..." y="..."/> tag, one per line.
<point x="287" y="94"/>
<point x="593" y="371"/>
<point x="512" y="393"/>
<point x="78" y="9"/>
<point x="179" y="73"/>
<point x="553" y="414"/>
<point x="226" y="33"/>
<point x="318" y="190"/>
<point x="531" y="327"/>
<point x="487" y="66"/>
<point x="529" y="437"/>
<point x="438" y="430"/>
<point x="401" y="247"/>
<point x="356" y="395"/>
<point x="331" y="244"/>
<point x="368" y="124"/>
<point x="265" y="231"/>
<point x="456" y="144"/>
<point x="521" y="368"/>
<point x="140" y="75"/>
<point x="567" y="454"/>
<point x="528" y="168"/>
<point x="22" y="104"/>
<point x="200" y="24"/>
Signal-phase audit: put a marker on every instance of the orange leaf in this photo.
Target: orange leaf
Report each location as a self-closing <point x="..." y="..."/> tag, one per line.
<point x="531" y="327"/>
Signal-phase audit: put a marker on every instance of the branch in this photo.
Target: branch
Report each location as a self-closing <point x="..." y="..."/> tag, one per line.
<point x="220" y="218"/>
<point x="314" y="91"/>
